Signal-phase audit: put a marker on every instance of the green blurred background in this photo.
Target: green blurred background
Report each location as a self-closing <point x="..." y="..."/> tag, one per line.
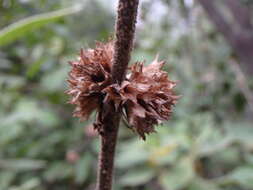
<point x="208" y="143"/>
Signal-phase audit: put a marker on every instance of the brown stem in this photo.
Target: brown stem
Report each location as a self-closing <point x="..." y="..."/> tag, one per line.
<point x="125" y="28"/>
<point x="106" y="157"/>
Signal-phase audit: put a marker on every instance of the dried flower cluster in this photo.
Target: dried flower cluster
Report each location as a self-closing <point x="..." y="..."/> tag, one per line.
<point x="145" y="98"/>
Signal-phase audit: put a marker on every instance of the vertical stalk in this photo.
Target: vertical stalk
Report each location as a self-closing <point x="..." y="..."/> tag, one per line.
<point x="107" y="151"/>
<point x="125" y="29"/>
<point x="124" y="34"/>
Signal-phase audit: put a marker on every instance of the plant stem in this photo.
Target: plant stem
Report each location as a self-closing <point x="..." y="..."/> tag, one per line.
<point x="106" y="157"/>
<point x="125" y="29"/>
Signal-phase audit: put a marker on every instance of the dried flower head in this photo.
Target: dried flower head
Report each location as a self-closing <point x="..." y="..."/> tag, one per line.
<point x="145" y="98"/>
<point x="90" y="74"/>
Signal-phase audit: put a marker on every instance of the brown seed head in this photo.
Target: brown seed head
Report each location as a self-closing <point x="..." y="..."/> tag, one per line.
<point x="89" y="75"/>
<point x="145" y="98"/>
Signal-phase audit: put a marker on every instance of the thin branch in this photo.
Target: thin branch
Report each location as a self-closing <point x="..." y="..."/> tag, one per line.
<point x="125" y="29"/>
<point x="240" y="40"/>
<point x="242" y="83"/>
<point x="241" y="14"/>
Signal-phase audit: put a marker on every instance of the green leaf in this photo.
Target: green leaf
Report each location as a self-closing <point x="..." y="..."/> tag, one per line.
<point x="9" y="132"/>
<point x="20" y="28"/>
<point x="131" y="155"/>
<point x="6" y="178"/>
<point x="58" y="171"/>
<point x="54" y="81"/>
<point x="179" y="176"/>
<point x="28" y="185"/>
<point x="137" y="176"/>
<point x="11" y="81"/>
<point x="82" y="168"/>
<point x="240" y="132"/>
<point x="47" y="118"/>
<point x="242" y="176"/>
<point x="34" y="68"/>
<point x="200" y="184"/>
<point x="22" y="164"/>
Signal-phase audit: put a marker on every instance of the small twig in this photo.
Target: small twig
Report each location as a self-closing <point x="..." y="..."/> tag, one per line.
<point x="242" y="83"/>
<point x="240" y="40"/>
<point x="125" y="28"/>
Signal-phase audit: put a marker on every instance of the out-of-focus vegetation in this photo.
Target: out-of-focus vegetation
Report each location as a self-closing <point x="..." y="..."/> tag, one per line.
<point x="208" y="144"/>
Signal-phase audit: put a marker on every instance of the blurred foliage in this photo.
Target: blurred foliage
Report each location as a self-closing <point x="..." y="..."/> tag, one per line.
<point x="208" y="144"/>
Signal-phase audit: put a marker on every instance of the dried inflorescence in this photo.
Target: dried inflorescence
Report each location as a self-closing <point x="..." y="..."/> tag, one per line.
<point x="145" y="97"/>
<point x="90" y="74"/>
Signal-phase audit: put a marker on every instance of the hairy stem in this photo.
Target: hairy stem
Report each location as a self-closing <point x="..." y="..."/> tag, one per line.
<point x="125" y="29"/>
<point x="106" y="157"/>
